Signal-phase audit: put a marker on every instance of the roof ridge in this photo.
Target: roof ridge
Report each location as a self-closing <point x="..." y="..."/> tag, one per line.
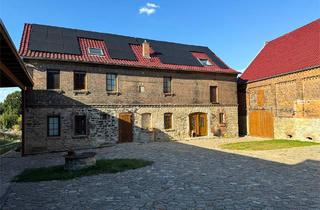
<point x="297" y="49"/>
<point x="171" y="55"/>
<point x="297" y="29"/>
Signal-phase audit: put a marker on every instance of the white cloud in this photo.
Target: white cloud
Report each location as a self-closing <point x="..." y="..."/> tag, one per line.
<point x="149" y="8"/>
<point x="153" y="5"/>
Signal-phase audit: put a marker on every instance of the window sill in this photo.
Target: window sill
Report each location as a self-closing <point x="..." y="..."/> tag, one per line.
<point x="81" y="92"/>
<point x="170" y="130"/>
<point x="56" y="90"/>
<point x="53" y="138"/>
<point x="168" y="94"/>
<point x="148" y="130"/>
<point x="80" y="136"/>
<point x="216" y="103"/>
<point x="115" y="93"/>
<point x="223" y="125"/>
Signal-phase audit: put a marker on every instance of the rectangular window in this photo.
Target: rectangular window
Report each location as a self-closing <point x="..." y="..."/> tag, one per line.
<point x="53" y="126"/>
<point x="222" y="118"/>
<point x="167" y="120"/>
<point x="146" y="120"/>
<point x="112" y="80"/>
<point x="53" y="79"/>
<point x="80" y="125"/>
<point x="80" y="81"/>
<point x="213" y="94"/>
<point x="95" y="51"/>
<point x="167" y="84"/>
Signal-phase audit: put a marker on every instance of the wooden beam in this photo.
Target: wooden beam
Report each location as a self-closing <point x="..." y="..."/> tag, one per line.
<point x="23" y="105"/>
<point x="6" y="37"/>
<point x="9" y="74"/>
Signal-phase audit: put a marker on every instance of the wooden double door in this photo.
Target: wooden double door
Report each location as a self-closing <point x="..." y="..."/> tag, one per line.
<point x="198" y="124"/>
<point x="125" y="127"/>
<point x="261" y="123"/>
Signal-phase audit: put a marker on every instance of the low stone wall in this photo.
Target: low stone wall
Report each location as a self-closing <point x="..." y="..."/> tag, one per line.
<point x="297" y="128"/>
<point x="102" y="125"/>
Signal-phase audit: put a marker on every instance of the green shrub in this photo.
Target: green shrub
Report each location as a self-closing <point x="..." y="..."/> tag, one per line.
<point x="8" y="119"/>
<point x="10" y="111"/>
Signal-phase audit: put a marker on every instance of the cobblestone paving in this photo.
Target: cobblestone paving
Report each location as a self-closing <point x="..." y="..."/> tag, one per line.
<point x="183" y="176"/>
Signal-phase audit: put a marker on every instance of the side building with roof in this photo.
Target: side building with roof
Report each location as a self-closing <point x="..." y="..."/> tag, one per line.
<point x="95" y="89"/>
<point x="279" y="92"/>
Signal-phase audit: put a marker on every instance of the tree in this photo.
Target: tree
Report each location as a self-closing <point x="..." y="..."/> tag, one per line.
<point x="13" y="102"/>
<point x="1" y="108"/>
<point x="10" y="110"/>
<point x="8" y="119"/>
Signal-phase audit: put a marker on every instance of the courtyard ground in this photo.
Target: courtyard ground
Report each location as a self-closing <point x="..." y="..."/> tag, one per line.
<point x="194" y="174"/>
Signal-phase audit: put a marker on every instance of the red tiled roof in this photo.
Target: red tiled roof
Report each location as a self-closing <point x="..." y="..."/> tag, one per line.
<point x="297" y="50"/>
<point x="154" y="62"/>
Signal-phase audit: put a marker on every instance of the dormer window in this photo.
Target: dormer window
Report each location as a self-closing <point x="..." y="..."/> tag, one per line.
<point x="204" y="62"/>
<point x="95" y="51"/>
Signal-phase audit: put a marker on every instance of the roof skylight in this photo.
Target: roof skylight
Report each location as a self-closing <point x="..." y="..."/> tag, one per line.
<point x="95" y="51"/>
<point x="204" y="62"/>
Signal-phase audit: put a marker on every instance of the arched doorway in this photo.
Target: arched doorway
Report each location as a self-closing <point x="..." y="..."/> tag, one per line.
<point x="198" y="124"/>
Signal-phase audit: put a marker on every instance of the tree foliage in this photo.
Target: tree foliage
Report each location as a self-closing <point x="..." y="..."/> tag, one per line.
<point x="10" y="110"/>
<point x="13" y="102"/>
<point x="8" y="119"/>
<point x="1" y="108"/>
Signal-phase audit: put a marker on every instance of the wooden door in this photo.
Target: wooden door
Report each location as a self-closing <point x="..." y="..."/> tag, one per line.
<point x="202" y="124"/>
<point x="198" y="124"/>
<point x="125" y="127"/>
<point x="261" y="123"/>
<point x="194" y="125"/>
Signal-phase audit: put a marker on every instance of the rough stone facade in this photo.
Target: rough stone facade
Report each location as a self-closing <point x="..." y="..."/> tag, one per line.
<point x="293" y="99"/>
<point x="190" y="95"/>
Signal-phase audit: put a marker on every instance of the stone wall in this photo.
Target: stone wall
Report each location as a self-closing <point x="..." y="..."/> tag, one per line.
<point x="187" y="87"/>
<point x="293" y="99"/>
<point x="297" y="128"/>
<point x="190" y="94"/>
<point x="102" y="124"/>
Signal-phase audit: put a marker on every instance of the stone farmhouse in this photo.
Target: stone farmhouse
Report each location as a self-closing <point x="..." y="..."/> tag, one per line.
<point x="94" y="89"/>
<point x="279" y="92"/>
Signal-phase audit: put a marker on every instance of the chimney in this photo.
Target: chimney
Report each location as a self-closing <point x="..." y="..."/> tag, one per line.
<point x="146" y="49"/>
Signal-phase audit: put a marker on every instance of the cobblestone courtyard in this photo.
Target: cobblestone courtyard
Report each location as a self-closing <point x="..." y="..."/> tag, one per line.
<point x="185" y="175"/>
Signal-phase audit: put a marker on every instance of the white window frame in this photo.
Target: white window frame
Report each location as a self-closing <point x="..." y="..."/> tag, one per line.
<point x="95" y="48"/>
<point x="208" y="63"/>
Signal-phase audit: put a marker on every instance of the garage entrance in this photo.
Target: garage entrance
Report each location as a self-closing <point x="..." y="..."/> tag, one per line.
<point x="261" y="123"/>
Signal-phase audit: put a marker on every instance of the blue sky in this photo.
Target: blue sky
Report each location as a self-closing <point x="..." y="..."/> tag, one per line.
<point x="235" y="30"/>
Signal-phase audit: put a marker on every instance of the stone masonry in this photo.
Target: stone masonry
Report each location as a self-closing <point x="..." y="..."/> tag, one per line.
<point x="103" y="125"/>
<point x="190" y="95"/>
<point x="293" y="99"/>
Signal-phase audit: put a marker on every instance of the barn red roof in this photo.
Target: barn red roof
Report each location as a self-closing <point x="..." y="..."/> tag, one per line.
<point x="294" y="51"/>
<point x="140" y="61"/>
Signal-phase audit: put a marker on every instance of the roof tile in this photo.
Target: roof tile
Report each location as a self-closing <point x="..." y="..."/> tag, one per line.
<point x="153" y="62"/>
<point x="297" y="50"/>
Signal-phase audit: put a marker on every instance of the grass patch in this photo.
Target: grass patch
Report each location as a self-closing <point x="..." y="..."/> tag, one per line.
<point x="58" y="172"/>
<point x="9" y="146"/>
<point x="9" y="142"/>
<point x="267" y="145"/>
<point x="4" y="142"/>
